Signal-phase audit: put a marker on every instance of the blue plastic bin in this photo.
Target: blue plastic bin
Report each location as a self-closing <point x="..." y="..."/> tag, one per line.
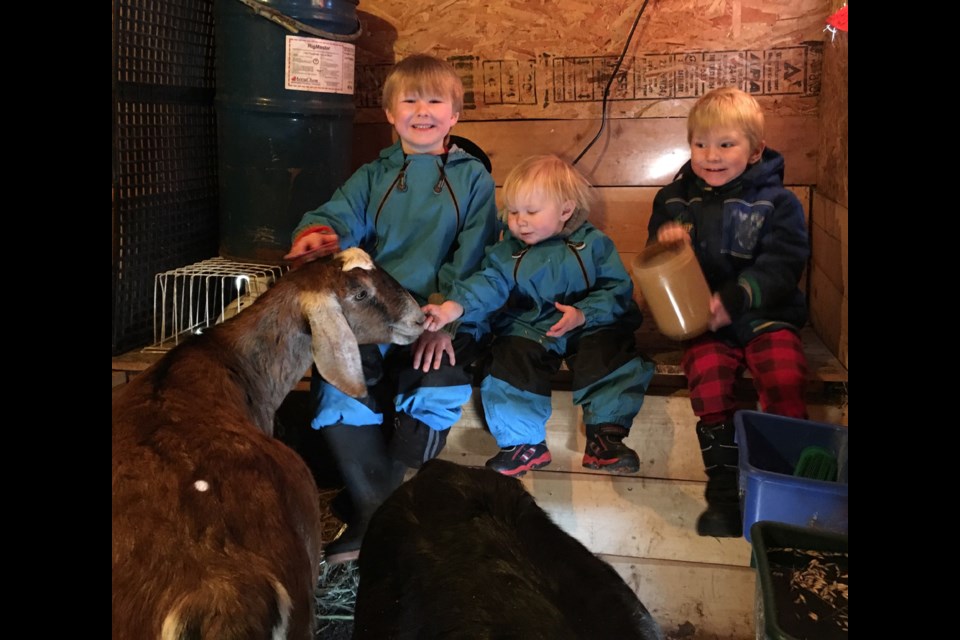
<point x="770" y="448"/>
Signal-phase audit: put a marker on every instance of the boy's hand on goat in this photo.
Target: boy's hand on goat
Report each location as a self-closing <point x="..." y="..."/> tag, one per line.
<point x="316" y="244"/>
<point x="429" y="350"/>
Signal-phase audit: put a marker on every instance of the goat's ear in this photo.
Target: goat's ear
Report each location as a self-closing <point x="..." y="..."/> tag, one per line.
<point x="335" y="349"/>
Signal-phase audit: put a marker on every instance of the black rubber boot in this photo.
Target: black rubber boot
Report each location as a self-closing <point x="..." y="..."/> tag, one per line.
<point x="413" y="442"/>
<point x="720" y="453"/>
<point x="341" y="506"/>
<point x="369" y="475"/>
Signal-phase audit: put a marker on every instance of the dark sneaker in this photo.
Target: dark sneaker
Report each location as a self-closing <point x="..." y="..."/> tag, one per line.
<point x="516" y="461"/>
<point x="605" y="449"/>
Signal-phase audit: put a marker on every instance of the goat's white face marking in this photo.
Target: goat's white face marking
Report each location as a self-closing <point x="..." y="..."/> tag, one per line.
<point x="355" y="258"/>
<point x="201" y="485"/>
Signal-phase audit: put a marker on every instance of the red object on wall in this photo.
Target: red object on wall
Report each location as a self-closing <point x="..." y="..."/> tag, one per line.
<point x="839" y="19"/>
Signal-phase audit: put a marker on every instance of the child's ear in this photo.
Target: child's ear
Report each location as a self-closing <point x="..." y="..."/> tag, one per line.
<point x="389" y="115"/>
<point x="758" y="152"/>
<point x="569" y="206"/>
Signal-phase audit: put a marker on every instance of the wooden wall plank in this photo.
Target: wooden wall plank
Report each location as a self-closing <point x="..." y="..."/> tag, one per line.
<point x="828" y="307"/>
<point x="833" y="168"/>
<point x="825" y="301"/>
<point x="831" y="218"/>
<point x="646" y="152"/>
<point x="623" y="213"/>
<point x="826" y="252"/>
<point x="841" y="353"/>
<point x="829" y="310"/>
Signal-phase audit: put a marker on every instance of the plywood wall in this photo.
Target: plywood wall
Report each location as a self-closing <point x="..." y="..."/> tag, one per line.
<point x="830" y="239"/>
<point x="554" y="58"/>
<point x="535" y="72"/>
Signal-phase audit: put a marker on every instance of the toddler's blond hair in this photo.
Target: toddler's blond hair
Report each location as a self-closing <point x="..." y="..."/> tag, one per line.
<point x="727" y="107"/>
<point x="423" y="74"/>
<point x="556" y="179"/>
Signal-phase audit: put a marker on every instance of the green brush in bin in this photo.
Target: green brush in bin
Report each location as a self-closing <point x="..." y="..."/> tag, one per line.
<point x="792" y="471"/>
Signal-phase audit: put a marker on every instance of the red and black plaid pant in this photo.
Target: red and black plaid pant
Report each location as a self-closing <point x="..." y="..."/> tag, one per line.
<point x="775" y="360"/>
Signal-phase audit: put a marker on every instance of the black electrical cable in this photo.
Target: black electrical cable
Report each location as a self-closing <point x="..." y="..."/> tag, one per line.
<point x="606" y="91"/>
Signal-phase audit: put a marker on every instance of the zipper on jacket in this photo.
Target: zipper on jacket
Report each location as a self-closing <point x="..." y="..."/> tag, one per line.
<point x="439" y="188"/>
<point x="401" y="178"/>
<point x="518" y="256"/>
<point x="400" y="182"/>
<point x="576" y="248"/>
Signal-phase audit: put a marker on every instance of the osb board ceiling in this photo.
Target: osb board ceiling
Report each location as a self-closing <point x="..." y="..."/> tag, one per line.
<point x="528" y="59"/>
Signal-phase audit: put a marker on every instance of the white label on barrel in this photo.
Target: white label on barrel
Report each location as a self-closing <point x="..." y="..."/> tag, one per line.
<point x="323" y="66"/>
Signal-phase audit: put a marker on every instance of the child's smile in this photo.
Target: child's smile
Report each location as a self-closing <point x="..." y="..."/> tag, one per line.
<point x="721" y="155"/>
<point x="422" y="122"/>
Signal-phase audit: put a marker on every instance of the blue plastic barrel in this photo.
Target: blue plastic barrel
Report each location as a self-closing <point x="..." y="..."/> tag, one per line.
<point x="285" y="107"/>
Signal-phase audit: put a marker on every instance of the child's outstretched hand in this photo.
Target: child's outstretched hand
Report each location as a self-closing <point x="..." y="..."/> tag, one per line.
<point x="572" y="318"/>
<point x="719" y="317"/>
<point x="672" y="233"/>
<point x="319" y="243"/>
<point x="429" y="348"/>
<point x="440" y="315"/>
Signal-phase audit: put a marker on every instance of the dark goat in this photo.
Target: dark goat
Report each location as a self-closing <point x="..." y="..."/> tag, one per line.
<point x="466" y="553"/>
<point x="216" y="524"/>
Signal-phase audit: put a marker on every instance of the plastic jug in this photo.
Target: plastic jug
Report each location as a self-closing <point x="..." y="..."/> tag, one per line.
<point x="673" y="285"/>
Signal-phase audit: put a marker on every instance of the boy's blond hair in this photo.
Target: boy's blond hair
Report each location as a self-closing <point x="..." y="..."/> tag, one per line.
<point x="727" y="107"/>
<point x="555" y="178"/>
<point x="423" y="74"/>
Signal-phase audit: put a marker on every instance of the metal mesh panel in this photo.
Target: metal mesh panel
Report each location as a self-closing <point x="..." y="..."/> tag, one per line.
<point x="165" y="201"/>
<point x="195" y="297"/>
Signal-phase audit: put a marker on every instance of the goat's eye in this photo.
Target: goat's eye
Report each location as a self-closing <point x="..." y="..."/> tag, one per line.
<point x="360" y="295"/>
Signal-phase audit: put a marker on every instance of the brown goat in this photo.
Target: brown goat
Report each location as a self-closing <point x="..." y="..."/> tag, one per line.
<point x="216" y="524"/>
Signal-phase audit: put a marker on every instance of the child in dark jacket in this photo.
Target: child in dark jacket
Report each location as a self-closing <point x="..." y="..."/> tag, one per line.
<point x="750" y="236"/>
<point x="556" y="289"/>
<point x="425" y="210"/>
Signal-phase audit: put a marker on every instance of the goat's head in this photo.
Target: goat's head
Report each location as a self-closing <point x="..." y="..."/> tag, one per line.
<point x="358" y="303"/>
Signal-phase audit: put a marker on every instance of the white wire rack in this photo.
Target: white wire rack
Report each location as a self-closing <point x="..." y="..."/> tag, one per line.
<point x="189" y="299"/>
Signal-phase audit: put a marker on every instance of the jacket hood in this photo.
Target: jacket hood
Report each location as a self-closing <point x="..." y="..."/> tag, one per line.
<point x="768" y="171"/>
<point x="395" y="156"/>
<point x="575" y="222"/>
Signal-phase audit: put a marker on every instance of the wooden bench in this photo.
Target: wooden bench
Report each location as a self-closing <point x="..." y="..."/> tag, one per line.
<point x="826" y="379"/>
<point x="826" y="372"/>
<point x="824" y="367"/>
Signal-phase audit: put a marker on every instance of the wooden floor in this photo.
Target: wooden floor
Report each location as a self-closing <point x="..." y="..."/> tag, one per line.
<point x="701" y="588"/>
<point x="698" y="588"/>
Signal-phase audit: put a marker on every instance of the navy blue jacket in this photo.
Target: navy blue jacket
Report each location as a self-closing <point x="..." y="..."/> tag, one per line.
<point x="751" y="239"/>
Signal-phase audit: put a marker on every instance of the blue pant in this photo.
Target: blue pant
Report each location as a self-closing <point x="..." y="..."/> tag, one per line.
<point x="435" y="398"/>
<point x="610" y="381"/>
